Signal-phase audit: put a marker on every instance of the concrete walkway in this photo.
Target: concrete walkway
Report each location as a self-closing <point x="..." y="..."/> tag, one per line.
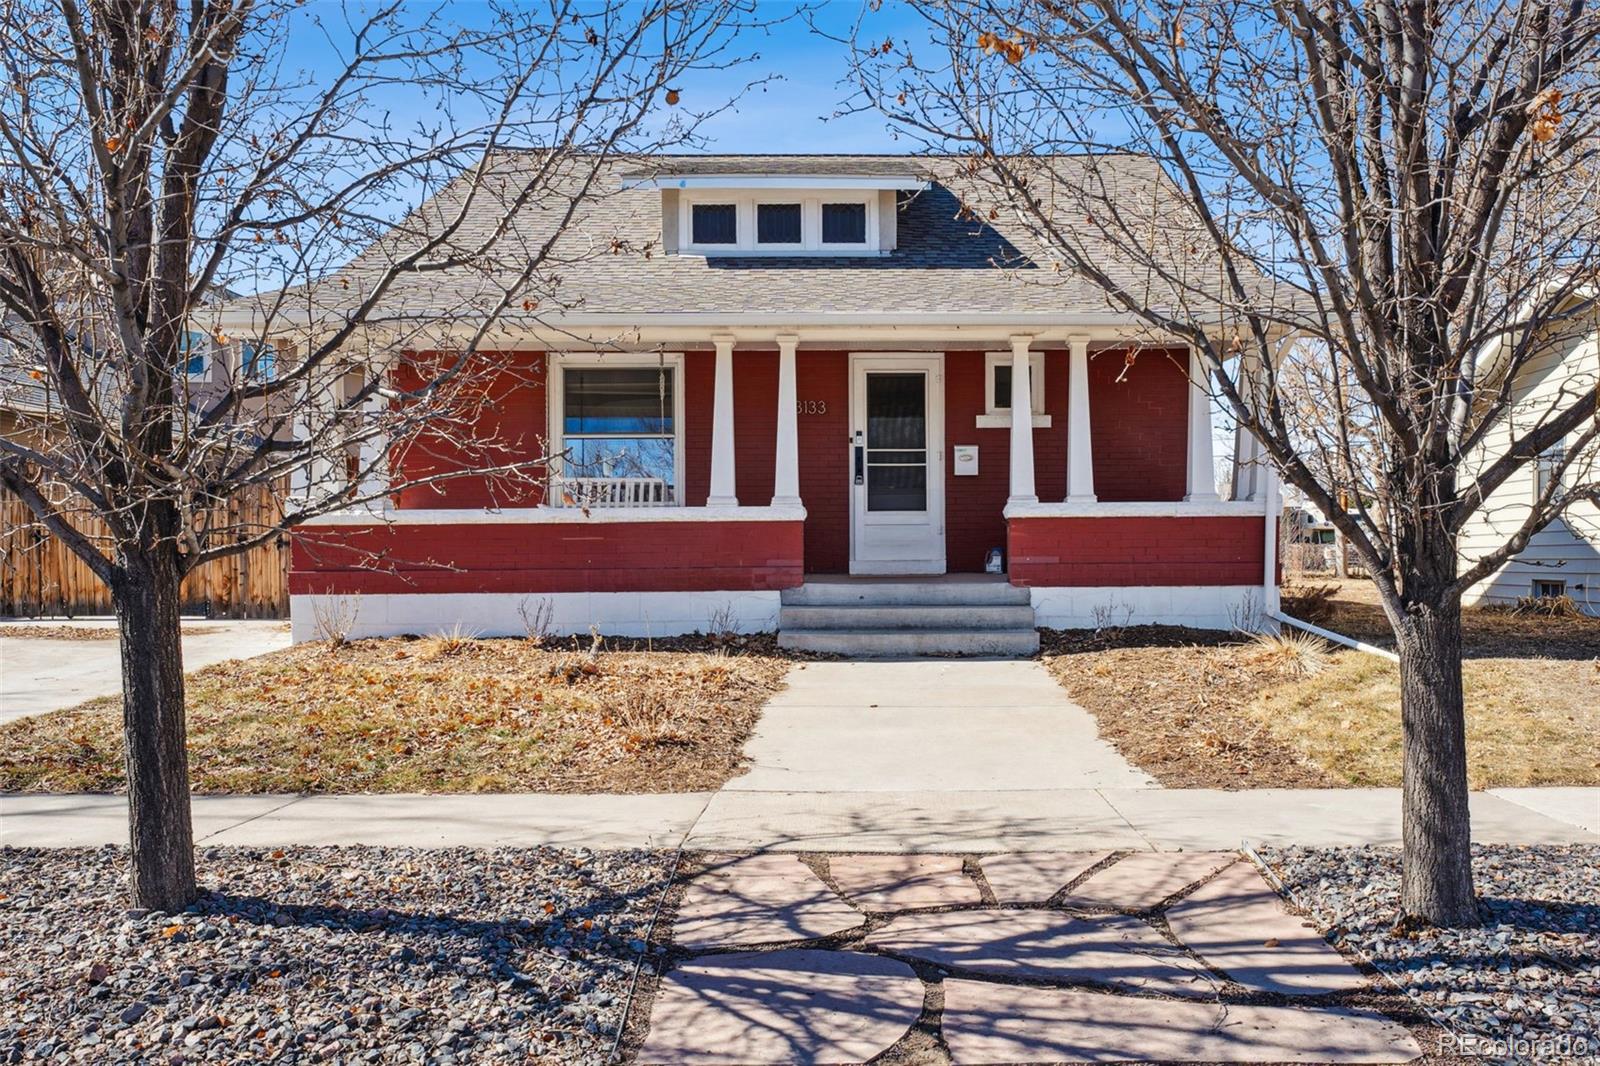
<point x="976" y="822"/>
<point x="39" y="676"/>
<point x="949" y="725"/>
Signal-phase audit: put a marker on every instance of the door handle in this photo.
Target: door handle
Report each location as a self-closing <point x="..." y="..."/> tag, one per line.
<point x="861" y="460"/>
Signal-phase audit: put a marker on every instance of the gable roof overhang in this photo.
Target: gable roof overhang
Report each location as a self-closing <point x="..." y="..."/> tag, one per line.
<point x="857" y="182"/>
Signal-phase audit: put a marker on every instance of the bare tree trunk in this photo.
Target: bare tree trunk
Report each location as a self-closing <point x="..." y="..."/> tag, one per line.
<point x="154" y="732"/>
<point x="1436" y="878"/>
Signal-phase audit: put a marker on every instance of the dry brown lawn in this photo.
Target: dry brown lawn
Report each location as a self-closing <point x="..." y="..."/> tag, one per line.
<point x="432" y="715"/>
<point x="1198" y="709"/>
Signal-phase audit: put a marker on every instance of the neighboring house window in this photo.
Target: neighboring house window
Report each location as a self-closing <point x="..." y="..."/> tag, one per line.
<point x="259" y="360"/>
<point x="619" y="424"/>
<point x="1549" y="590"/>
<point x="192" y="348"/>
<point x="715" y="224"/>
<point x="779" y="224"/>
<point x="844" y="223"/>
<point x="1548" y="465"/>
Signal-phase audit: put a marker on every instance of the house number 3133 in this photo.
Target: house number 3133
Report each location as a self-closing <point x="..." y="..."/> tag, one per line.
<point x="811" y="407"/>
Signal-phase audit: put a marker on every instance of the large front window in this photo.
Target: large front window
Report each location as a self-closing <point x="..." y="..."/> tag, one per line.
<point x="619" y="435"/>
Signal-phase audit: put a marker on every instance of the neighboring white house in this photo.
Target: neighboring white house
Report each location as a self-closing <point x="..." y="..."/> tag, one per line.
<point x="1564" y="558"/>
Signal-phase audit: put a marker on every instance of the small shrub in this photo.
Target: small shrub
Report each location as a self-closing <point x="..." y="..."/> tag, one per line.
<point x="538" y="620"/>
<point x="452" y="641"/>
<point x="1292" y="651"/>
<point x="1309" y="603"/>
<point x="1547" y="607"/>
<point x="334" y="617"/>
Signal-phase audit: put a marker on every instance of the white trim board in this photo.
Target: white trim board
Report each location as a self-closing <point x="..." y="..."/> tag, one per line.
<point x="1200" y="606"/>
<point x="1140" y="509"/>
<point x="572" y="516"/>
<point x="495" y="614"/>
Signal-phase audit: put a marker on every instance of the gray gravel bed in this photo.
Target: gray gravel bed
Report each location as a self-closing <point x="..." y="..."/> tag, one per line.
<point x="1528" y="978"/>
<point x="350" y="955"/>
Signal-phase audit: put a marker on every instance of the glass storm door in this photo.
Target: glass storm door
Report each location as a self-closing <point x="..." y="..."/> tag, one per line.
<point x="897" y="464"/>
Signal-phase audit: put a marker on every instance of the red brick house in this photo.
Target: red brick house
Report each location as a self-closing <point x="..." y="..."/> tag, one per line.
<point x="800" y="404"/>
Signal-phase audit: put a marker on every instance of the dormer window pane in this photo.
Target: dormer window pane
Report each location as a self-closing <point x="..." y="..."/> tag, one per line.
<point x="777" y="223"/>
<point x="844" y="223"/>
<point x="716" y="224"/>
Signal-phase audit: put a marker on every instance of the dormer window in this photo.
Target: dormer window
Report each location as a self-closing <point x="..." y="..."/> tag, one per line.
<point x="780" y="224"/>
<point x="844" y="223"/>
<point x="708" y="210"/>
<point x="714" y="224"/>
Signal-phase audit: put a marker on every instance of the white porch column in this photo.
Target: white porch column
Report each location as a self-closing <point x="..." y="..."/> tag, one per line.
<point x="722" y="482"/>
<point x="1022" y="486"/>
<point x="1247" y="473"/>
<point x="786" y="475"/>
<point x="1080" y="454"/>
<point x="1202" y="470"/>
<point x="375" y="454"/>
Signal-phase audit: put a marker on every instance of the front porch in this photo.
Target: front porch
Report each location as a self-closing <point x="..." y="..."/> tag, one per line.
<point x="742" y="467"/>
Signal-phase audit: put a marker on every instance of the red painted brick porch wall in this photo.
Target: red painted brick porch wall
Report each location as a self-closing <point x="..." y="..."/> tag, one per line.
<point x="512" y="426"/>
<point x="535" y="557"/>
<point x="1200" y="550"/>
<point x="1139" y="426"/>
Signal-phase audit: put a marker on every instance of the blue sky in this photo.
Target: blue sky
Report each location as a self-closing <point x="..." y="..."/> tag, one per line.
<point x="797" y="113"/>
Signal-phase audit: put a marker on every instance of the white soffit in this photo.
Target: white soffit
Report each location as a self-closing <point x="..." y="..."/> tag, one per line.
<point x="775" y="181"/>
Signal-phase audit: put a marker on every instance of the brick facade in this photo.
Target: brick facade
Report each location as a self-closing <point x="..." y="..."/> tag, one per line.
<point x="1137" y="551"/>
<point x="1138" y="429"/>
<point x="547" y="557"/>
<point x="513" y="425"/>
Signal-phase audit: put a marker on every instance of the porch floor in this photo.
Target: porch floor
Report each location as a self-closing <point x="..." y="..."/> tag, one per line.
<point x="905" y="579"/>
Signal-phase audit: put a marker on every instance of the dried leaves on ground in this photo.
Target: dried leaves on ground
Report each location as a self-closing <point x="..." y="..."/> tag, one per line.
<point x="441" y="714"/>
<point x="1172" y="702"/>
<point x="1201" y="709"/>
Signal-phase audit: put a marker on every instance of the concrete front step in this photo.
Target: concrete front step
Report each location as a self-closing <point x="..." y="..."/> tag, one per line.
<point x="907" y="616"/>
<point x="881" y="643"/>
<point x="907" y="592"/>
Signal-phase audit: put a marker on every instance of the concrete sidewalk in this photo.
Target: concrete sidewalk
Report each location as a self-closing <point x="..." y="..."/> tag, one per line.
<point x="1035" y="820"/>
<point x="39" y="676"/>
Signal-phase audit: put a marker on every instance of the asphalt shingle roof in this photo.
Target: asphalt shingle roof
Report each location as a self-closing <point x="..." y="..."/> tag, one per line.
<point x="610" y="260"/>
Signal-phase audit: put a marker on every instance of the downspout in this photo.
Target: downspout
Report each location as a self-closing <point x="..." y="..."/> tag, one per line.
<point x="1270" y="600"/>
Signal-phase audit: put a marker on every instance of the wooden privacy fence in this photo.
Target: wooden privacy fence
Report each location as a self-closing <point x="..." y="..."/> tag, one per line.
<point x="39" y="575"/>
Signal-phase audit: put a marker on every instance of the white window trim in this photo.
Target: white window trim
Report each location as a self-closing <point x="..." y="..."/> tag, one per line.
<point x="810" y="201"/>
<point x="206" y="349"/>
<point x="1546" y="464"/>
<point x="557" y="388"/>
<point x="244" y="365"/>
<point x="1536" y="582"/>
<point x="1001" y="419"/>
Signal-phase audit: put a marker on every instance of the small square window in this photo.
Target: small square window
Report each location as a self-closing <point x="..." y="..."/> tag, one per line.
<point x="844" y="223"/>
<point x="259" y="360"/>
<point x="778" y="224"/>
<point x="1549" y="590"/>
<point x="715" y="224"/>
<point x="997" y="389"/>
<point x="1548" y="464"/>
<point x="192" y="353"/>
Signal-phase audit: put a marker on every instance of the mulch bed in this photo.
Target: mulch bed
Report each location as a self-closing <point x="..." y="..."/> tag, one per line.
<point x="1527" y="978"/>
<point x="391" y="955"/>
<point x="1169" y="699"/>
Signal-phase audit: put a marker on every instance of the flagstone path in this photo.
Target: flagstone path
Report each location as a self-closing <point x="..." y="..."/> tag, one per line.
<point x="1040" y="957"/>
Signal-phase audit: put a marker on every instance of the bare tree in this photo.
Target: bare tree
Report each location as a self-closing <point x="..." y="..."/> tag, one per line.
<point x="1402" y="189"/>
<point x="158" y="157"/>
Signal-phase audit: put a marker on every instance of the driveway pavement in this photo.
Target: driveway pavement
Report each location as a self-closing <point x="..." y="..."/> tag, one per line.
<point x="38" y="676"/>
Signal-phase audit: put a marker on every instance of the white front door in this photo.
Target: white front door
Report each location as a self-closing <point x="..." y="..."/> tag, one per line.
<point x="897" y="464"/>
